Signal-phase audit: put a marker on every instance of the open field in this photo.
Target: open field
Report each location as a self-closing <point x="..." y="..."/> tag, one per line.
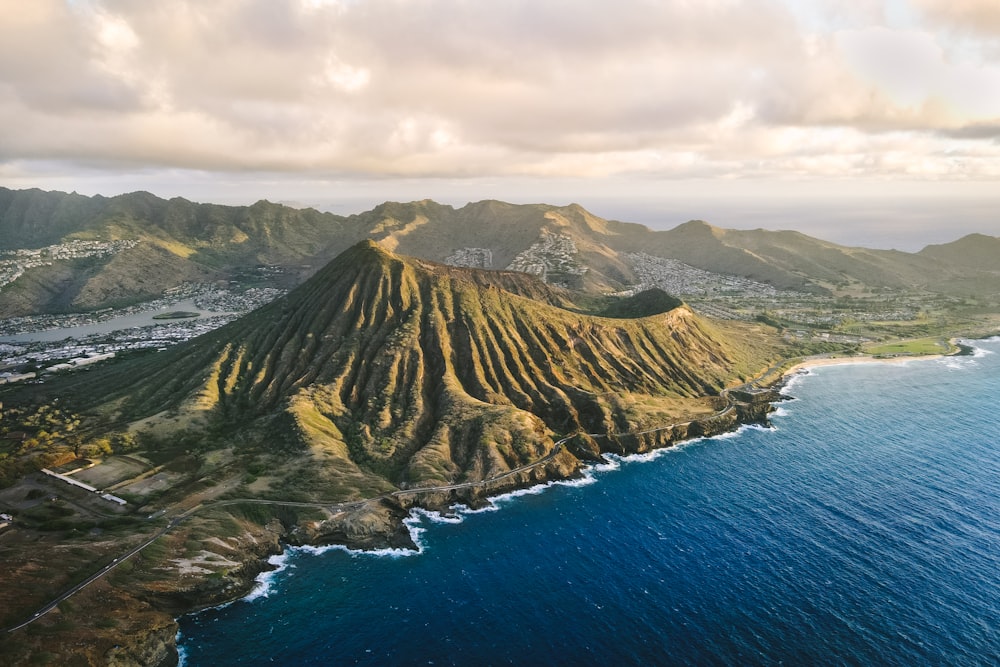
<point x="911" y="347"/>
<point x="111" y="471"/>
<point x="161" y="481"/>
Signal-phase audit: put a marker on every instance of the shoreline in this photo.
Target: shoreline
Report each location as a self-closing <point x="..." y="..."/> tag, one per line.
<point x="402" y="539"/>
<point x="862" y="359"/>
<point x="960" y="350"/>
<point x="539" y="483"/>
<point x="583" y="455"/>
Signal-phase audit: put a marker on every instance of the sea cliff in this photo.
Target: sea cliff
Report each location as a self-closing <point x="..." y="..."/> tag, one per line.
<point x="175" y="576"/>
<point x="379" y="523"/>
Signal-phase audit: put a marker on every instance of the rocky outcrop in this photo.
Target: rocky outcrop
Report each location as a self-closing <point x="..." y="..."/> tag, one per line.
<point x="185" y="592"/>
<point x="378" y="524"/>
<point x="155" y="646"/>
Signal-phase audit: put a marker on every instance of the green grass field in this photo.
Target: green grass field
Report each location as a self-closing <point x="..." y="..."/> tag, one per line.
<point x="911" y="347"/>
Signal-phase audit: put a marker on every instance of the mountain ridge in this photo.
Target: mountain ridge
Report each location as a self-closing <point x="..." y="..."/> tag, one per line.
<point x="565" y="245"/>
<point x="977" y="250"/>
<point x="388" y="370"/>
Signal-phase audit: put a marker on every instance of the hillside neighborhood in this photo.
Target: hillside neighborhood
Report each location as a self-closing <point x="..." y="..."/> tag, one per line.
<point x="13" y="263"/>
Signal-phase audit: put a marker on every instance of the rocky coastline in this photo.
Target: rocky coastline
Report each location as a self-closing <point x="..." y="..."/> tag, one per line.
<point x="150" y="600"/>
<point x="379" y="523"/>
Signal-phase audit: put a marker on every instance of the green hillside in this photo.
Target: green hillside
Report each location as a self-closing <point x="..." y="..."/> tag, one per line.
<point x="564" y="245"/>
<point x="975" y="251"/>
<point x="385" y="370"/>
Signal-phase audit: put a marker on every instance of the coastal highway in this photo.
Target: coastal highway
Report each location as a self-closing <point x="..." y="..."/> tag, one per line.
<point x="94" y="577"/>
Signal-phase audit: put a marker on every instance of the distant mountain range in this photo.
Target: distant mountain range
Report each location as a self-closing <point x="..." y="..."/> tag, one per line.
<point x="180" y="241"/>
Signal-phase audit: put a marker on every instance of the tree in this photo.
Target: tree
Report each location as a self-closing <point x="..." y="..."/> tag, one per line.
<point x="75" y="442"/>
<point x="100" y="447"/>
<point x="123" y="442"/>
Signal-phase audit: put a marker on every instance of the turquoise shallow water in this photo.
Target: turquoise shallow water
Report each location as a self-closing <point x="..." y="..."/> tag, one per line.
<point x="864" y="529"/>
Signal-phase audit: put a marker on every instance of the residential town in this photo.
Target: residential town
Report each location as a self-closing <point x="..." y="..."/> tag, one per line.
<point x="683" y="280"/>
<point x="553" y="258"/>
<point x="24" y="357"/>
<point x="13" y="263"/>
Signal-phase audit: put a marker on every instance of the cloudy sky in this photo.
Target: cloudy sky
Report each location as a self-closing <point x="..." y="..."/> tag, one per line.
<point x="867" y="121"/>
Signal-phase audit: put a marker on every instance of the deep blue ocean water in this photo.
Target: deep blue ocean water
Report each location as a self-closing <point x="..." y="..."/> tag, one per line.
<point x="864" y="529"/>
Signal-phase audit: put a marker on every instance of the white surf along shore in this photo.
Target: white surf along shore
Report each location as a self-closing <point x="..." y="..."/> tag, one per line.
<point x="419" y="517"/>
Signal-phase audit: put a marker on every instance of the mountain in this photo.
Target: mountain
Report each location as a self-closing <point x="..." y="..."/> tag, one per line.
<point x="173" y="241"/>
<point x="209" y="234"/>
<point x="380" y="383"/>
<point x="383" y="371"/>
<point x="975" y="251"/>
<point x="565" y="245"/>
<point x="170" y="242"/>
<point x="569" y="246"/>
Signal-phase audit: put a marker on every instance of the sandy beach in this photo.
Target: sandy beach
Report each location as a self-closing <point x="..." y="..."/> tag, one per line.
<point x="839" y="361"/>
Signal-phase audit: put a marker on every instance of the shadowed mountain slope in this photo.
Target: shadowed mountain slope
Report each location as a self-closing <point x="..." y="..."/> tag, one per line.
<point x="814" y="261"/>
<point x="136" y="274"/>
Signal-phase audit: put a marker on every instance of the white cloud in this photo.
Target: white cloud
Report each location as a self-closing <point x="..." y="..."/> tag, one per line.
<point x="550" y="87"/>
<point x="976" y="16"/>
<point x="907" y="66"/>
<point x="345" y="77"/>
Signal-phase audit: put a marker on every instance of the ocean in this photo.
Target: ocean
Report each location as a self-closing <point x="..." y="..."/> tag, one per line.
<point x="862" y="529"/>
